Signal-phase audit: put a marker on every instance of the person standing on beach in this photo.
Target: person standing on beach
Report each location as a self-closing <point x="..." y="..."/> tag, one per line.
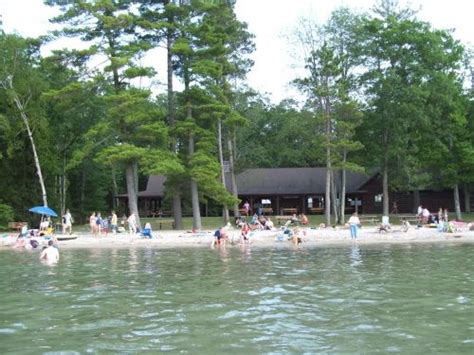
<point x="132" y="224"/>
<point x="354" y="223"/>
<point x="419" y="213"/>
<point x="246" y="208"/>
<point x="113" y="222"/>
<point x="67" y="222"/>
<point x="92" y="219"/>
<point x="98" y="224"/>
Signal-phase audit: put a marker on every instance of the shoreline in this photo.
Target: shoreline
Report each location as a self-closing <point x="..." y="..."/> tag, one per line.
<point x="326" y="237"/>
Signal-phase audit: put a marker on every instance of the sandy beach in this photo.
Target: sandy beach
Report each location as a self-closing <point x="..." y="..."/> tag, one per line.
<point x="311" y="237"/>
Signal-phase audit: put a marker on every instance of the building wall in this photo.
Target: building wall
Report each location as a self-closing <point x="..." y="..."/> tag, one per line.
<point x="431" y="199"/>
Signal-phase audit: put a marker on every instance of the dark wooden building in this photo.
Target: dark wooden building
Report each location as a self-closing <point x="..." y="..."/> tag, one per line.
<point x="288" y="190"/>
<point x="302" y="190"/>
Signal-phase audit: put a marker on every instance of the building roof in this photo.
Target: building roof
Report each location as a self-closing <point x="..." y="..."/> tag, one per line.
<point x="285" y="181"/>
<point x="155" y="187"/>
<point x="274" y="181"/>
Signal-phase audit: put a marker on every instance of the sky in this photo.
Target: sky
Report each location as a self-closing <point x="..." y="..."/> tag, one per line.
<point x="271" y="21"/>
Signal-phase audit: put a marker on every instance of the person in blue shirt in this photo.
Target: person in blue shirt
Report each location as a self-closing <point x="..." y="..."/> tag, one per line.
<point x="147" y="232"/>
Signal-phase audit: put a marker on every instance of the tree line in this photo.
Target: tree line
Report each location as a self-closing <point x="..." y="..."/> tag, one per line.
<point x="381" y="91"/>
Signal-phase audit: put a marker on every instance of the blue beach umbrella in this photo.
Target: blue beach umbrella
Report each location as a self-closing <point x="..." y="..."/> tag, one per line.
<point x="43" y="210"/>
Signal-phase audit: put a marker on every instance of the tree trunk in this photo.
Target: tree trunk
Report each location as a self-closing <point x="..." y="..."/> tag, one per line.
<point x="194" y="192"/>
<point x="114" y="189"/>
<point x="343" y="192"/>
<point x="132" y="192"/>
<point x="64" y="184"/>
<point x="194" y="187"/>
<point x="233" y="180"/>
<point x="177" y="211"/>
<point x="327" y="196"/>
<point x="83" y="193"/>
<point x="334" y="199"/>
<point x="135" y="176"/>
<point x="457" y="203"/>
<point x="8" y="85"/>
<point x="225" y="210"/>
<point x="416" y="200"/>
<point x="385" y="198"/>
<point x="62" y="193"/>
<point x="61" y="189"/>
<point x="467" y="199"/>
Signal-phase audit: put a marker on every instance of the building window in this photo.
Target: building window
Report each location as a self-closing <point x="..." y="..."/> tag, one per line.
<point x="378" y="198"/>
<point x="310" y="202"/>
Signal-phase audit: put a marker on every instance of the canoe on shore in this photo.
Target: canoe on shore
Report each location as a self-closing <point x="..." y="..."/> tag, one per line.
<point x="62" y="238"/>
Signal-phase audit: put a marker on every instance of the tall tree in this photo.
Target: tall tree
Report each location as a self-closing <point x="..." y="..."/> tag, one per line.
<point x="321" y="84"/>
<point x="109" y="28"/>
<point x="201" y="49"/>
<point x="73" y="105"/>
<point x="227" y="44"/>
<point x="329" y="84"/>
<point x="18" y="76"/>
<point x="161" y="21"/>
<point x="402" y="56"/>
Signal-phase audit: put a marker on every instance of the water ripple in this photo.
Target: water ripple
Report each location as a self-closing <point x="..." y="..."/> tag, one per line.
<point x="369" y="299"/>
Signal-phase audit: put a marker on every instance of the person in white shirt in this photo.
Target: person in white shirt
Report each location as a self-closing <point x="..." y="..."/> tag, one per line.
<point x="67" y="222"/>
<point x="354" y="223"/>
<point x="420" y="210"/>
<point x="132" y="224"/>
<point x="425" y="215"/>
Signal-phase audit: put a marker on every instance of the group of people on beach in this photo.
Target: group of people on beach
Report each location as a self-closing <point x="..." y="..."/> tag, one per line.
<point x="426" y="217"/>
<point x="258" y="222"/>
<point x="221" y="235"/>
<point x="100" y="225"/>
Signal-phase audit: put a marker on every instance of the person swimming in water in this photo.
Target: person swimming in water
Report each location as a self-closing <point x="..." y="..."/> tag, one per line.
<point x="51" y="253"/>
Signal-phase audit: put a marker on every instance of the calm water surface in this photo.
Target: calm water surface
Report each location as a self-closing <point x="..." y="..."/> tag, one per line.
<point x="411" y="299"/>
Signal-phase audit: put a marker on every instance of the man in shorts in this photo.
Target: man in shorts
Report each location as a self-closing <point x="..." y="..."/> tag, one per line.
<point x="67" y="222"/>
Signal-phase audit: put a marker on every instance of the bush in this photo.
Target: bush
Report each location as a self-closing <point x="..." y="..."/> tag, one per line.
<point x="6" y="215"/>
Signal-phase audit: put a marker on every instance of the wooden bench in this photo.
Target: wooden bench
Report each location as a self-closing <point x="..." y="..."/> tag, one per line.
<point x="159" y="214"/>
<point x="369" y="219"/>
<point x="289" y="210"/>
<point x="165" y="222"/>
<point x="267" y="210"/>
<point x="316" y="210"/>
<point x="282" y="218"/>
<point x="16" y="225"/>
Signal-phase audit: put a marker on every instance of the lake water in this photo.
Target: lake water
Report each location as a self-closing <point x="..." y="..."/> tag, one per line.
<point x="410" y="298"/>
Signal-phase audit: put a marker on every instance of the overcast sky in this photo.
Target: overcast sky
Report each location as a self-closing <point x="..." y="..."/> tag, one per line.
<point x="270" y="20"/>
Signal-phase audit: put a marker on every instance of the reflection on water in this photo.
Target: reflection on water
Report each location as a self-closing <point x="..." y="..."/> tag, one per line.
<point x="242" y="299"/>
<point x="356" y="259"/>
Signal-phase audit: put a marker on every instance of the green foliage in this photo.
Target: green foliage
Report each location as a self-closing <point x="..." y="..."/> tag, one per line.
<point x="6" y="215"/>
<point x="382" y="90"/>
<point x="409" y="79"/>
<point x="277" y="136"/>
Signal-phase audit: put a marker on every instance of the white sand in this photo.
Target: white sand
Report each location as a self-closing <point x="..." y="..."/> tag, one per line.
<point x="311" y="237"/>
